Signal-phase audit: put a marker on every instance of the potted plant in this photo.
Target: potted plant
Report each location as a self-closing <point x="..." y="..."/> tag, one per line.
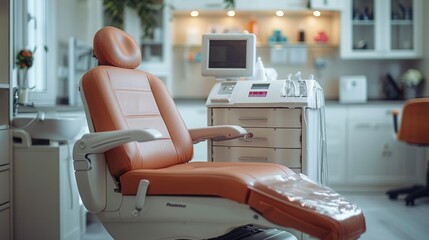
<point x="24" y="61"/>
<point x="409" y="81"/>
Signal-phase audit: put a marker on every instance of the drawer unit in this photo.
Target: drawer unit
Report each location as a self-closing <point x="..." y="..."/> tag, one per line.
<point x="4" y="222"/>
<point x="4" y="186"/>
<point x="258" y="117"/>
<point x="268" y="137"/>
<point x="4" y="147"/>
<point x="288" y="157"/>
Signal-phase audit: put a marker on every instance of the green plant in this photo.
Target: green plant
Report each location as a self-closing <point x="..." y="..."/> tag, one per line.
<point x="147" y="10"/>
<point x="229" y="4"/>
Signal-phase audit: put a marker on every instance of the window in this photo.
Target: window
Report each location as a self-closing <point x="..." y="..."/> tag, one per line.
<point x="36" y="41"/>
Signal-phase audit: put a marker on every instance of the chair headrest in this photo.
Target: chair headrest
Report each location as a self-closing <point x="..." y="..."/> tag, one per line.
<point x="115" y="47"/>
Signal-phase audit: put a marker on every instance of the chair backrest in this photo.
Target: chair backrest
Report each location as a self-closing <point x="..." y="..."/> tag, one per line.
<point x="414" y="127"/>
<point x="118" y="96"/>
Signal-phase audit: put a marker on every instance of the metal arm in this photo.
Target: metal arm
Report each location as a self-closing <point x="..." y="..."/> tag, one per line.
<point x="219" y="133"/>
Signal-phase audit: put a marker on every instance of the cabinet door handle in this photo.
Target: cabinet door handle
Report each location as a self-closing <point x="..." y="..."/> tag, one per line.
<point x="253" y="159"/>
<point x="253" y="119"/>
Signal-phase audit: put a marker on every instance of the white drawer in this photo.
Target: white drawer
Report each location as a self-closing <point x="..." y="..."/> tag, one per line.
<point x="258" y="117"/>
<point x="4" y="147"/>
<point x="288" y="157"/>
<point x="370" y="112"/>
<point x="4" y="186"/>
<point x="267" y="137"/>
<point x="4" y="224"/>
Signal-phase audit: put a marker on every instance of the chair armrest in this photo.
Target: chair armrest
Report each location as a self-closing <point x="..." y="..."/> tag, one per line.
<point x="219" y="133"/>
<point x="101" y="142"/>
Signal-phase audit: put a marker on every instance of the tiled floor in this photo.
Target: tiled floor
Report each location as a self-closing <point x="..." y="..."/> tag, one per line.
<point x="385" y="219"/>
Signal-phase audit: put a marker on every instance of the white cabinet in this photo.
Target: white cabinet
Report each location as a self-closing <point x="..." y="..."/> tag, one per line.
<point x="363" y="152"/>
<point x="336" y="143"/>
<point x="331" y="5"/>
<point x="262" y="5"/>
<point x="46" y="199"/>
<point x="244" y="5"/>
<point x="5" y="114"/>
<point x="198" y="5"/>
<point x="381" y="29"/>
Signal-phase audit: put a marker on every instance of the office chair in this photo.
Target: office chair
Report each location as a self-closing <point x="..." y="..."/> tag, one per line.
<point x="414" y="129"/>
<point x="133" y="169"/>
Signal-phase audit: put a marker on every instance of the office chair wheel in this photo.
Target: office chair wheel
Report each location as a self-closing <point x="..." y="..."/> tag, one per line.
<point x="409" y="202"/>
<point x="393" y="196"/>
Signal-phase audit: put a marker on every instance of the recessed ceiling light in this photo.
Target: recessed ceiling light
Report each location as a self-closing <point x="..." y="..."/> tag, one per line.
<point x="195" y="13"/>
<point x="231" y="13"/>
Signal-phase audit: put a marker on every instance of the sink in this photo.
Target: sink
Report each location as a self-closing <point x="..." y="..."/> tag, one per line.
<point x="56" y="126"/>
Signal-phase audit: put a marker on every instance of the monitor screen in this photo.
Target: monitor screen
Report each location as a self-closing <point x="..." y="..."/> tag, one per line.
<point x="228" y="55"/>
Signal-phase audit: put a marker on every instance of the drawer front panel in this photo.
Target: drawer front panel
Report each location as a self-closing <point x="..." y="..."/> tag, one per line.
<point x="4" y="186"/>
<point x="259" y="117"/>
<point x="288" y="157"/>
<point x="4" y="224"/>
<point x="267" y="137"/>
<point x="4" y="147"/>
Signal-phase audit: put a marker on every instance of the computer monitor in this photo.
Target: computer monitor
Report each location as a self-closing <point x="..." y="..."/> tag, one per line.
<point x="228" y="55"/>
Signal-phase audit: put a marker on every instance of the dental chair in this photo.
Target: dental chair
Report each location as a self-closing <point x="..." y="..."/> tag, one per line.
<point x="413" y="129"/>
<point x="134" y="173"/>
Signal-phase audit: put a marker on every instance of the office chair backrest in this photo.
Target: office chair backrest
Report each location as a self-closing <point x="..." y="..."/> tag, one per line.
<point x="414" y="127"/>
<point x="118" y="97"/>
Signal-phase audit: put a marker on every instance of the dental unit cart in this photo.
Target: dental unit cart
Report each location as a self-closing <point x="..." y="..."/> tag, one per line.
<point x="286" y="118"/>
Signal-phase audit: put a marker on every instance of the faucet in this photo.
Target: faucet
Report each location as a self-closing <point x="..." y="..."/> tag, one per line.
<point x="15" y="101"/>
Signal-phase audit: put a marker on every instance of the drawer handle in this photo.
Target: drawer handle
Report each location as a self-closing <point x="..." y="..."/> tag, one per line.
<point x="253" y="119"/>
<point x="255" y="139"/>
<point x="253" y="159"/>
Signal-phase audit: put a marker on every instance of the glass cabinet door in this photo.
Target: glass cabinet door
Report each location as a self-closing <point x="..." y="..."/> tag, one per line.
<point x="382" y="29"/>
<point x="401" y="25"/>
<point x="364" y="18"/>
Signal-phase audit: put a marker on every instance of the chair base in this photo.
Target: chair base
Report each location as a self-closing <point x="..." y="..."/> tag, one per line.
<point x="413" y="192"/>
<point x="256" y="233"/>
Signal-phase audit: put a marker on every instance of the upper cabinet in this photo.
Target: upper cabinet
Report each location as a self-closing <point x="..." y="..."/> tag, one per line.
<point x="381" y="29"/>
<point x="244" y="5"/>
<point x="329" y="5"/>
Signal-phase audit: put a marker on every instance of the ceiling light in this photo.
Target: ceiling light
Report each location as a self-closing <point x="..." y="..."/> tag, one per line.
<point x="231" y="13"/>
<point x="195" y="13"/>
<point x="280" y="13"/>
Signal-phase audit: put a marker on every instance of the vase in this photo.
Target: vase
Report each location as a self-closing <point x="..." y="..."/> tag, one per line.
<point x="410" y="92"/>
<point x="23" y="95"/>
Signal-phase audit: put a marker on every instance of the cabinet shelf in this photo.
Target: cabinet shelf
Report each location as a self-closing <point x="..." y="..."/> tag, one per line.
<point x="402" y="22"/>
<point x="363" y="22"/>
<point x="4" y="86"/>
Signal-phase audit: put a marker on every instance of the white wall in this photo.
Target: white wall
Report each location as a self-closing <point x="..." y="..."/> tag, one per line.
<point x="425" y="63"/>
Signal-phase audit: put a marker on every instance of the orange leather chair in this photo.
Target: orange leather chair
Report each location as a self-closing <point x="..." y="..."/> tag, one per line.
<point x="133" y="169"/>
<point x="414" y="129"/>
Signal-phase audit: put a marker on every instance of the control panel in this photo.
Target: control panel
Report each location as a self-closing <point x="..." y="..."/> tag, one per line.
<point x="296" y="91"/>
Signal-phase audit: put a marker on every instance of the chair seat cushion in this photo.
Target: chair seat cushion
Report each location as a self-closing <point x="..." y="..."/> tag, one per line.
<point x="229" y="180"/>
